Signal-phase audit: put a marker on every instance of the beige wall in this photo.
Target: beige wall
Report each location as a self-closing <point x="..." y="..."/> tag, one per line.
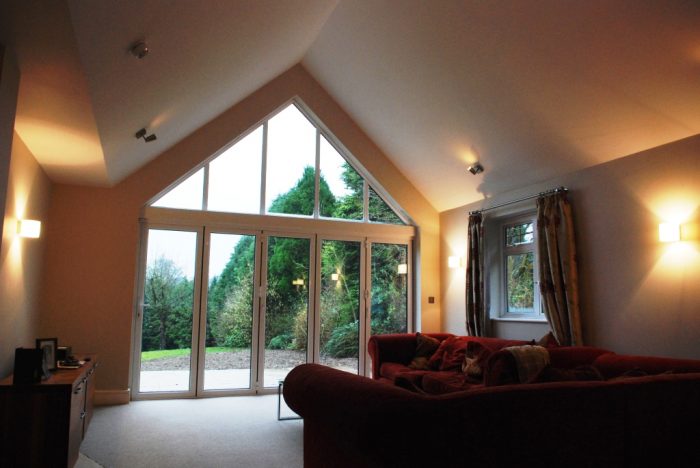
<point x="24" y="192"/>
<point x="91" y="259"/>
<point x="21" y="260"/>
<point x="9" y="86"/>
<point x="637" y="295"/>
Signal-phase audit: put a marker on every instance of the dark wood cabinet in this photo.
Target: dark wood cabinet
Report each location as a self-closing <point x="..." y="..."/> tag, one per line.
<point x="43" y="424"/>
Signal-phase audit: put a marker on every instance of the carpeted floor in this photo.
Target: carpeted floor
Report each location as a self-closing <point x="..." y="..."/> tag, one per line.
<point x="207" y="432"/>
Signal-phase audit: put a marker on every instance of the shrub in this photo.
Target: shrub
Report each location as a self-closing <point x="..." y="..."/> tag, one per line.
<point x="343" y="341"/>
<point x="281" y="342"/>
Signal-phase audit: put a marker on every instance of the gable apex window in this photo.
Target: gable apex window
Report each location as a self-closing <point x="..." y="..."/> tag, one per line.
<point x="290" y="166"/>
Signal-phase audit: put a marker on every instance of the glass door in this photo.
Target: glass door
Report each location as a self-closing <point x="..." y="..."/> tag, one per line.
<point x="285" y="312"/>
<point x="389" y="291"/>
<point x="170" y="297"/>
<point x="228" y="338"/>
<point x="340" y="304"/>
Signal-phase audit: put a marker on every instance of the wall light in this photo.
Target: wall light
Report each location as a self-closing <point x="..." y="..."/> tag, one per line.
<point x="402" y="269"/>
<point x="454" y="261"/>
<point x="334" y="276"/>
<point x="298" y="282"/>
<point x="29" y="228"/>
<point x="669" y="232"/>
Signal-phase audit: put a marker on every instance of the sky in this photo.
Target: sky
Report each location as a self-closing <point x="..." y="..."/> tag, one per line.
<point x="235" y="185"/>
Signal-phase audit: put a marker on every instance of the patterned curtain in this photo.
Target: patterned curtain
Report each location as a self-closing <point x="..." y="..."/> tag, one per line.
<point x="558" y="275"/>
<point x="476" y="309"/>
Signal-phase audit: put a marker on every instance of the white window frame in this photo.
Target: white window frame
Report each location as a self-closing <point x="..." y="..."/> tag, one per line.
<point x="496" y="263"/>
<point x="321" y="131"/>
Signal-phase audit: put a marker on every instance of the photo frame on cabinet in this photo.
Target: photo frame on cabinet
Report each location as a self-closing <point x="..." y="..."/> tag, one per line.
<point x="49" y="347"/>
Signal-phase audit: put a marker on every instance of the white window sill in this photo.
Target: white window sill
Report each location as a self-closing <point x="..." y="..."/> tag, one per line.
<point x="542" y="321"/>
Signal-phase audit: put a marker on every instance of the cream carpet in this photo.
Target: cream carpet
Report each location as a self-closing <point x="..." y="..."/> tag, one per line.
<point x="207" y="432"/>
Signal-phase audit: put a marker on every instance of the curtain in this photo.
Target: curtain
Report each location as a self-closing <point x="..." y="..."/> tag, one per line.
<point x="476" y="309"/>
<point x="557" y="263"/>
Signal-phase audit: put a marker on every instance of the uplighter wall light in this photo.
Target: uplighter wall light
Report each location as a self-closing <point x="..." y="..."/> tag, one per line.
<point x="453" y="261"/>
<point x="29" y="228"/>
<point x="669" y="232"/>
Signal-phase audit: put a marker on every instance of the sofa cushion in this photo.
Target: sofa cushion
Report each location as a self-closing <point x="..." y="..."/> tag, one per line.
<point x="440" y="383"/>
<point x="411" y="380"/>
<point x="390" y="370"/>
<point x="425" y="348"/>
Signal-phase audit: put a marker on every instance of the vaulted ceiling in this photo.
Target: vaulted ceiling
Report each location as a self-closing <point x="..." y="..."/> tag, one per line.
<point x="530" y="88"/>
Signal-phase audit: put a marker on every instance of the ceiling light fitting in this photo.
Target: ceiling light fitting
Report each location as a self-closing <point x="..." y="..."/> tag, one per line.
<point x="476" y="168"/>
<point x="147" y="138"/>
<point x="139" y="50"/>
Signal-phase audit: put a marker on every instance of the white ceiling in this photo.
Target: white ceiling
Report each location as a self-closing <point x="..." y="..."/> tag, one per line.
<point x="532" y="89"/>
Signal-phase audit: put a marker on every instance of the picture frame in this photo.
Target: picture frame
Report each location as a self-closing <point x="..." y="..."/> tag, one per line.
<point x="49" y="347"/>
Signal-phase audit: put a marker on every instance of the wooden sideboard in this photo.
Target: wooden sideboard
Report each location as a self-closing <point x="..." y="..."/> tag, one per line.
<point x="43" y="424"/>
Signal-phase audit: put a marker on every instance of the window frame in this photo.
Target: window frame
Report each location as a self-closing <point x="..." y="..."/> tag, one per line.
<point x="497" y="258"/>
<point x="321" y="132"/>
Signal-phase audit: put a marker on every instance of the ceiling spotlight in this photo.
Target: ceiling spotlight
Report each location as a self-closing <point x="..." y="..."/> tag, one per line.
<point x="139" y="50"/>
<point x="476" y="168"/>
<point x="142" y="134"/>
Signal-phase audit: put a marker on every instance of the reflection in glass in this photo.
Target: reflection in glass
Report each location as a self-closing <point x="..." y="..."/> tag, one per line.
<point x="340" y="304"/>
<point x="389" y="288"/>
<point x="287" y="306"/>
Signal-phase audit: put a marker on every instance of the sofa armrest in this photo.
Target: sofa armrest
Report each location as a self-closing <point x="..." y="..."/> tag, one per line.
<point x="398" y="347"/>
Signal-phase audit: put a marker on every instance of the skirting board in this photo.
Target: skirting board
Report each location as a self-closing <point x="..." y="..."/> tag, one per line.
<point x="112" y="397"/>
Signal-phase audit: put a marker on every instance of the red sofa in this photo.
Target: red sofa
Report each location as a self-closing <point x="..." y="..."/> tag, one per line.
<point x="627" y="419"/>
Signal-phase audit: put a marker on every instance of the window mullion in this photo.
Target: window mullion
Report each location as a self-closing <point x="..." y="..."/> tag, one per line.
<point x="365" y="201"/>
<point x="317" y="177"/>
<point x="263" y="175"/>
<point x="205" y="189"/>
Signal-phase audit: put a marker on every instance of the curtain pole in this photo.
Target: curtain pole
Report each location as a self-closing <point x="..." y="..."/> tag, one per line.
<point x="547" y="192"/>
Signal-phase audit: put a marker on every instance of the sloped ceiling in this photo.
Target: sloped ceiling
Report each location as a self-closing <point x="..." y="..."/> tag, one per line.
<point x="532" y="89"/>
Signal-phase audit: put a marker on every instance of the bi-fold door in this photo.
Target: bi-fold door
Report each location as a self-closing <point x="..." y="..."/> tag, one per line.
<point x="232" y="312"/>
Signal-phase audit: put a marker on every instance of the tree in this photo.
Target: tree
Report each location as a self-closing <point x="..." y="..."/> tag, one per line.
<point x="167" y="320"/>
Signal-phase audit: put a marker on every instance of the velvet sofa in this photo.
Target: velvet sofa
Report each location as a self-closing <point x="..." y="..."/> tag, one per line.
<point x="642" y="409"/>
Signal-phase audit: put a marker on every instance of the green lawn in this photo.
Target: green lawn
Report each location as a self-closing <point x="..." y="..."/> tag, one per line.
<point x="165" y="353"/>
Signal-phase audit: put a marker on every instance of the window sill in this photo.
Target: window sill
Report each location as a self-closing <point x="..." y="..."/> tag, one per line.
<point x="542" y="321"/>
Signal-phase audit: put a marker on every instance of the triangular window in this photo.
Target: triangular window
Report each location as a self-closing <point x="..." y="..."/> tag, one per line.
<point x="287" y="165"/>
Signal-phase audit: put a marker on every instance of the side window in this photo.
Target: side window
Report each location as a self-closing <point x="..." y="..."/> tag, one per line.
<point x="513" y="284"/>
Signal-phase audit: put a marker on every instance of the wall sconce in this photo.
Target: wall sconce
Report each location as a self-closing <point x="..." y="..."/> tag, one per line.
<point x="454" y="261"/>
<point x="669" y="232"/>
<point x="298" y="282"/>
<point x="335" y="276"/>
<point x="402" y="269"/>
<point x="29" y="228"/>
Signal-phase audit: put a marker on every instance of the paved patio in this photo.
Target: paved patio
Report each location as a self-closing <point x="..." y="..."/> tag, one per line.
<point x="229" y="379"/>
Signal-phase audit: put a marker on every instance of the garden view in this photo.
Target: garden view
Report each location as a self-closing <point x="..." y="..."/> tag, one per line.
<point x="167" y="320"/>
